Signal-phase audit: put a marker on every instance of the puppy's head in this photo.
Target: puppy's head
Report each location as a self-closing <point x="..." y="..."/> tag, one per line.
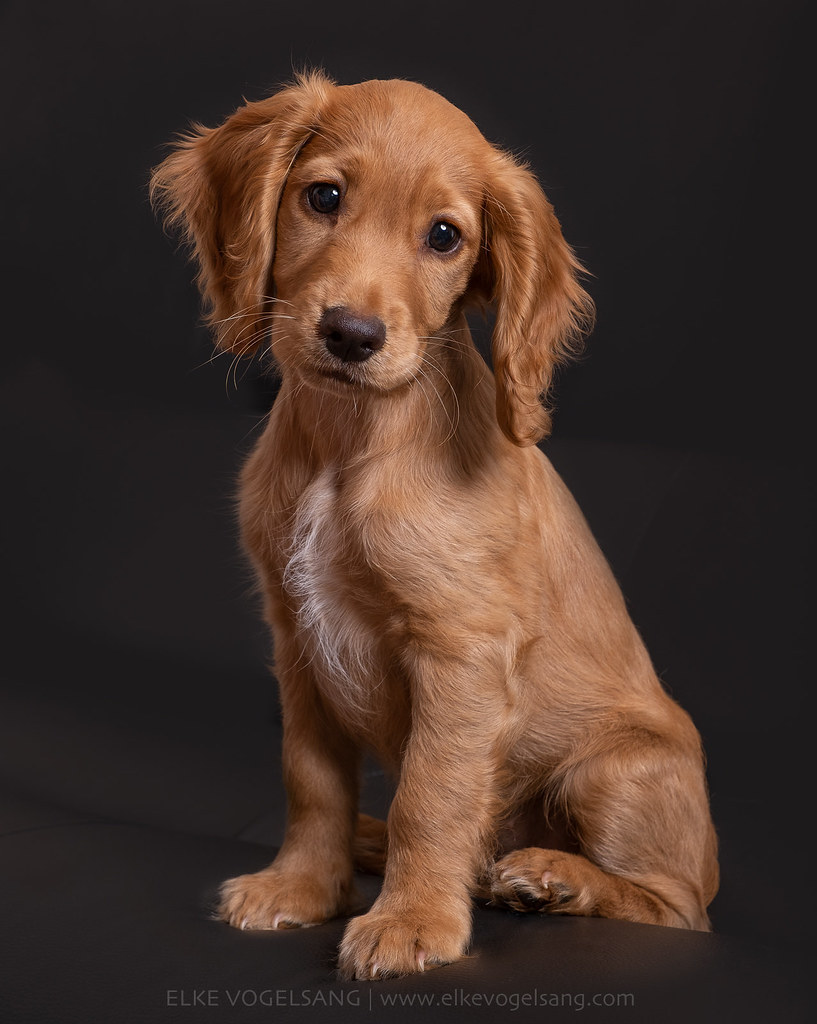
<point x="351" y="224"/>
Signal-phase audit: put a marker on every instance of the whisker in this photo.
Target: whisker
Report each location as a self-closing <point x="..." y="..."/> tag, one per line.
<point x="453" y="423"/>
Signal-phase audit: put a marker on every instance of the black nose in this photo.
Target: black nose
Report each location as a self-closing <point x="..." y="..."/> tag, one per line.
<point x="349" y="336"/>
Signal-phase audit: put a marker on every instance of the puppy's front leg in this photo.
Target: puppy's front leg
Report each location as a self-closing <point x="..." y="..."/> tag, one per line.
<point x="438" y="823"/>
<point x="310" y="880"/>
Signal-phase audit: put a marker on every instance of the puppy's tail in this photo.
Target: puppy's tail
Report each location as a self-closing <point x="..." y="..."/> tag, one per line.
<point x="371" y="843"/>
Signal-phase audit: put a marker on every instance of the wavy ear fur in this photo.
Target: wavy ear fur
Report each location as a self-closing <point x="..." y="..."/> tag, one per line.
<point x="221" y="187"/>
<point x="531" y="276"/>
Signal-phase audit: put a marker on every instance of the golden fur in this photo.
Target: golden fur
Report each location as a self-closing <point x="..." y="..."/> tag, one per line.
<point x="434" y="593"/>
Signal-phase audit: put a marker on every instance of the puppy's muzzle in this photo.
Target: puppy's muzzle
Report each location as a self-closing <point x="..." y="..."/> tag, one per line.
<point x="349" y="336"/>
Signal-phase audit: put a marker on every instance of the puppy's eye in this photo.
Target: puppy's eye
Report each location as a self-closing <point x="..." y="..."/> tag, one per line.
<point x="323" y="197"/>
<point x="443" y="236"/>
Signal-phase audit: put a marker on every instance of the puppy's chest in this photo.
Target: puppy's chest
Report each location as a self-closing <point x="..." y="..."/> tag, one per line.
<point x="334" y="592"/>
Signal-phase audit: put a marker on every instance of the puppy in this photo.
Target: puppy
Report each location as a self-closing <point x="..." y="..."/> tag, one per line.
<point x="433" y="591"/>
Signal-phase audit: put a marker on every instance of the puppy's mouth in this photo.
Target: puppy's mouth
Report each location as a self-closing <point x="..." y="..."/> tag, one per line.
<point x="342" y="374"/>
<point x="324" y="370"/>
<point x="372" y="377"/>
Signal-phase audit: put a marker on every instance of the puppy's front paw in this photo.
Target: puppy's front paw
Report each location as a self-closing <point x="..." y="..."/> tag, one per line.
<point x="274" y="899"/>
<point x="383" y="944"/>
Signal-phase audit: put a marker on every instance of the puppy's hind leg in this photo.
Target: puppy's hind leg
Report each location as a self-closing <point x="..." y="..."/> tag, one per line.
<point x="370" y="845"/>
<point x="640" y="812"/>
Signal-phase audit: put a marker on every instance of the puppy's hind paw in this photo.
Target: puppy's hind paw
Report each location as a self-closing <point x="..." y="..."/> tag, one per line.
<point x="542" y="881"/>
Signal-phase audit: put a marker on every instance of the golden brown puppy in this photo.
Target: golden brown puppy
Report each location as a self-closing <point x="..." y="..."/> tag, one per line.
<point x="434" y="593"/>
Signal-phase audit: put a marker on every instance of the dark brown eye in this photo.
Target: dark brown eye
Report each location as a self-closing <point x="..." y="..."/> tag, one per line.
<point x="323" y="197"/>
<point x="443" y="236"/>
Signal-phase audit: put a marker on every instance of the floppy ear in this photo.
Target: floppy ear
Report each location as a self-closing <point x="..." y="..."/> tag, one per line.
<point x="221" y="187"/>
<point x="531" y="276"/>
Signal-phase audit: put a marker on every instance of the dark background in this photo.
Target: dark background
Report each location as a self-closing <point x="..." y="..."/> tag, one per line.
<point x="673" y="141"/>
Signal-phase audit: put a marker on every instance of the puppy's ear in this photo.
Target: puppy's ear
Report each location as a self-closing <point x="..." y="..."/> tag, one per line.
<point x="221" y="188"/>
<point x="531" y="276"/>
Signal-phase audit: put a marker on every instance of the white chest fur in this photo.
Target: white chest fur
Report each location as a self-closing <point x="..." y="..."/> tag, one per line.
<point x="336" y="641"/>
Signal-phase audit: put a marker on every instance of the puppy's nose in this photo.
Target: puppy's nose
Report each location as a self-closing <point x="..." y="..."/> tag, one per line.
<point x="349" y="336"/>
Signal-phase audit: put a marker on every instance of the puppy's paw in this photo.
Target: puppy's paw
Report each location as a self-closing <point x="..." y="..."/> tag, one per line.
<point x="383" y="944"/>
<point x="274" y="899"/>
<point x="544" y="881"/>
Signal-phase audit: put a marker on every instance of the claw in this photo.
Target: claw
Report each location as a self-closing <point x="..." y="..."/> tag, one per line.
<point x="421" y="959"/>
